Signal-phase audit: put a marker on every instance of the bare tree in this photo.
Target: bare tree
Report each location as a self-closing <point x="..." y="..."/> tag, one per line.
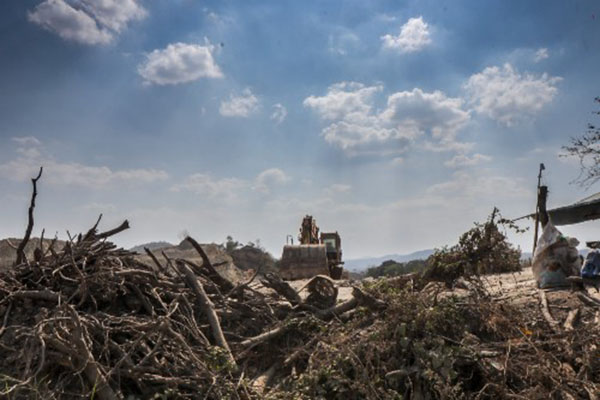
<point x="587" y="149"/>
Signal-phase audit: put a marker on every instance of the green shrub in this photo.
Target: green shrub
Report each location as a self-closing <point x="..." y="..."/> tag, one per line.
<point x="483" y="249"/>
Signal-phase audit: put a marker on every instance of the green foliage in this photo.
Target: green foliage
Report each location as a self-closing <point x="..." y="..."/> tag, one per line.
<point x="392" y="268"/>
<point x="483" y="249"/>
<point x="413" y="350"/>
<point x="231" y="245"/>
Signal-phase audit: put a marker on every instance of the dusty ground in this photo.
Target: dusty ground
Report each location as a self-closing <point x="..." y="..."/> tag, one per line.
<point x="516" y="288"/>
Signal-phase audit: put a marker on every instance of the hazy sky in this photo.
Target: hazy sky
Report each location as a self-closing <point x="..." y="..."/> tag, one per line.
<point x="396" y="123"/>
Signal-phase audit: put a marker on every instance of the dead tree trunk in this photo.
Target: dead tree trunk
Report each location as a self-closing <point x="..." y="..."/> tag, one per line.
<point x="21" y="249"/>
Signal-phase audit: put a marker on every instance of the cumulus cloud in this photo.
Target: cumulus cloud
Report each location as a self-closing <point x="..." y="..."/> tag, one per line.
<point x="337" y="188"/>
<point x="463" y="160"/>
<point x="508" y="96"/>
<point x="230" y="189"/>
<point x="269" y="178"/>
<point x="342" y="43"/>
<point x="30" y="158"/>
<point x="357" y="128"/>
<point x="114" y="14"/>
<point x="342" y="99"/>
<point x="413" y="36"/>
<point x="88" y="22"/>
<point x="26" y="141"/>
<point x="279" y="113"/>
<point x="206" y="185"/>
<point x="240" y="106"/>
<point x="179" y="63"/>
<point x="541" y="54"/>
<point x="463" y="184"/>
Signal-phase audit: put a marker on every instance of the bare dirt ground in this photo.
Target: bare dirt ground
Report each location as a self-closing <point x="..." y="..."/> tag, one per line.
<point x="518" y="289"/>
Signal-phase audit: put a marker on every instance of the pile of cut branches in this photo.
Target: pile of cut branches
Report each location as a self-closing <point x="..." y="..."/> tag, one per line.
<point x="90" y="320"/>
<point x="444" y="344"/>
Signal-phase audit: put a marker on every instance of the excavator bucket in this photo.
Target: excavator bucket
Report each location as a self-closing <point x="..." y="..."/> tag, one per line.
<point x="303" y="261"/>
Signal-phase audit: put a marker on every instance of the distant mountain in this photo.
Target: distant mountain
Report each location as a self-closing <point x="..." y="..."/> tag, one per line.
<point x="151" y="246"/>
<point x="361" y="264"/>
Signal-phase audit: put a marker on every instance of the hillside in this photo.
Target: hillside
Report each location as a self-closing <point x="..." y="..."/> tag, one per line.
<point x="8" y="254"/>
<point x="151" y="245"/>
<point x="361" y="264"/>
<point x="222" y="262"/>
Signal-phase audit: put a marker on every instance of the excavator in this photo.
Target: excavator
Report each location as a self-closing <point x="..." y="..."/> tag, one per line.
<point x="315" y="255"/>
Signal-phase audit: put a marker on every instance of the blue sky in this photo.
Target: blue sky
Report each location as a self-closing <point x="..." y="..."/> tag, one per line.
<point x="398" y="124"/>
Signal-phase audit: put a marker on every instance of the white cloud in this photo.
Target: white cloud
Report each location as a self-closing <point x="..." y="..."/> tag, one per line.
<point x="341" y="43"/>
<point x="240" y="106"/>
<point x="355" y="127"/>
<point x="230" y="189"/>
<point x="279" y="113"/>
<point x="541" y="54"/>
<point x="206" y="185"/>
<point x="397" y="161"/>
<point x="69" y="23"/>
<point x="86" y="21"/>
<point x="340" y="187"/>
<point x="467" y="185"/>
<point x="26" y="141"/>
<point x="114" y="14"/>
<point x="463" y="160"/>
<point x="509" y="97"/>
<point x="29" y="160"/>
<point x="414" y="35"/>
<point x="99" y="207"/>
<point x="337" y="188"/>
<point x="269" y="178"/>
<point x="343" y="99"/>
<point x="179" y="63"/>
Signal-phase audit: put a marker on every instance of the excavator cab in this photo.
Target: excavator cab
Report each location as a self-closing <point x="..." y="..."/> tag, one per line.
<point x="333" y="249"/>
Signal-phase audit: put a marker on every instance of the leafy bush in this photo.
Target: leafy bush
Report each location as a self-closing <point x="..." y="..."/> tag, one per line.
<point x="483" y="249"/>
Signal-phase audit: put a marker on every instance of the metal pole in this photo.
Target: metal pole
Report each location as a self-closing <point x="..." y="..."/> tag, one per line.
<point x="537" y="208"/>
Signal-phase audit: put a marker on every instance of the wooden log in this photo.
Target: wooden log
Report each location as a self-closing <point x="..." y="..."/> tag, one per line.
<point x="338" y="309"/>
<point x="282" y="288"/>
<point x="590" y="301"/>
<point x="545" y="311"/>
<point x="571" y="320"/>
<point x="207" y="306"/>
<point x="263" y="381"/>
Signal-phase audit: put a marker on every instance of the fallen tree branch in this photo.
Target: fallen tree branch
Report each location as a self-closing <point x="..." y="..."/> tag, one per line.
<point x="282" y="288"/>
<point x="571" y="320"/>
<point x="36" y="295"/>
<point x="21" y="249"/>
<point x="223" y="283"/>
<point x="118" y="229"/>
<point x="545" y="311"/>
<point x="263" y="337"/>
<point x="92" y="370"/>
<point x="207" y="306"/>
<point x="338" y="309"/>
<point x="153" y="257"/>
<point x="590" y="301"/>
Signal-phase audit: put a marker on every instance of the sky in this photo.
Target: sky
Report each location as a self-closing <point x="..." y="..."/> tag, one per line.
<point x="396" y="123"/>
